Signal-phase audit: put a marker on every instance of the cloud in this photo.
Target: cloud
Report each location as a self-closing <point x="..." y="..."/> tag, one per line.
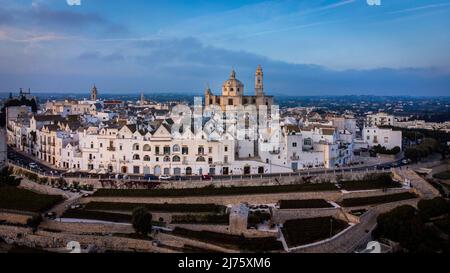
<point x="187" y="65"/>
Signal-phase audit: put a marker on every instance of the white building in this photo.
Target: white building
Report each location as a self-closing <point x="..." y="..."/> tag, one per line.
<point x="387" y="138"/>
<point x="380" y="119"/>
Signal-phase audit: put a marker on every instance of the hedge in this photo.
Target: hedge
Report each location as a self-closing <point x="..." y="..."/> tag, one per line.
<point x="304" y="204"/>
<point x="379" y="181"/>
<point x="259" y="244"/>
<point x="379" y="199"/>
<point x="209" y="219"/>
<point x="97" y="215"/>
<point x="112" y="206"/>
<point x="443" y="175"/>
<point x="209" y="191"/>
<point x="309" y="230"/>
<point x="26" y="200"/>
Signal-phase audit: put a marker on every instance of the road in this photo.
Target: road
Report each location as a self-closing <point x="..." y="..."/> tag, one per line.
<point x="21" y="159"/>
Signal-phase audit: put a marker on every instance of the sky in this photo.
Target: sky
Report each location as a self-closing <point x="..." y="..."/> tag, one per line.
<point x="306" y="47"/>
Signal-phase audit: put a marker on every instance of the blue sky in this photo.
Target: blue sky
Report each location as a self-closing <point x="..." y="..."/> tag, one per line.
<point x="306" y="47"/>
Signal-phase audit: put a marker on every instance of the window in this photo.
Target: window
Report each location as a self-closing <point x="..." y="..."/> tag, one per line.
<point x="101" y="145"/>
<point x="230" y="102"/>
<point x="146" y="158"/>
<point x="226" y="148"/>
<point x="200" y="159"/>
<point x="136" y="169"/>
<point x="135" y="147"/>
<point x="166" y="150"/>
<point x="176" y="148"/>
<point x="201" y="150"/>
<point x="176" y="159"/>
<point x="166" y="159"/>
<point x="210" y="150"/>
<point x="210" y="160"/>
<point x="294" y="144"/>
<point x="157" y="150"/>
<point x="136" y="157"/>
<point x="147" y="148"/>
<point x="185" y="150"/>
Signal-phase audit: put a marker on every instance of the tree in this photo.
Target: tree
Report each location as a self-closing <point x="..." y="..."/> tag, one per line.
<point x="433" y="207"/>
<point x="402" y="224"/>
<point x="8" y="179"/>
<point x="141" y="220"/>
<point x="34" y="222"/>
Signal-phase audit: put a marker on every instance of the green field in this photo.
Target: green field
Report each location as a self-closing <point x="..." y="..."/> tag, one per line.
<point x="24" y="200"/>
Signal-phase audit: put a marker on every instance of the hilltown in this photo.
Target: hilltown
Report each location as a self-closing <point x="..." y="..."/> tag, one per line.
<point x="138" y="138"/>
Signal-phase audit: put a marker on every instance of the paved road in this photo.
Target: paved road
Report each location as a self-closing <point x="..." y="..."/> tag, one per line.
<point x="22" y="159"/>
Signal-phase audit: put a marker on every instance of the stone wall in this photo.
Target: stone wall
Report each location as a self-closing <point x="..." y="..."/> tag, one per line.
<point x="14" y="217"/>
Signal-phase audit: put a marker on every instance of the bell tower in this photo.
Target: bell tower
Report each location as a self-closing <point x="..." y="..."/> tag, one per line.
<point x="259" y="86"/>
<point x="94" y="93"/>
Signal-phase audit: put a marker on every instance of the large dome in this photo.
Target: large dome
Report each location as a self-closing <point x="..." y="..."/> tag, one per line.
<point x="232" y="86"/>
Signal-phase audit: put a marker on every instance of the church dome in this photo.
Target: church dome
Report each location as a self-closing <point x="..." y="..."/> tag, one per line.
<point x="232" y="86"/>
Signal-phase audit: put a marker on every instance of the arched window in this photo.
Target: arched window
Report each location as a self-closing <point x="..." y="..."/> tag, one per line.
<point x="166" y="159"/>
<point x="146" y="158"/>
<point x="188" y="171"/>
<point x="147" y="147"/>
<point x="176" y="159"/>
<point x="201" y="150"/>
<point x="135" y="147"/>
<point x="136" y="157"/>
<point x="200" y="159"/>
<point x="176" y="148"/>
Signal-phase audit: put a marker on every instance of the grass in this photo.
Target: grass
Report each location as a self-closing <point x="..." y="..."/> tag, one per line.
<point x="304" y="204"/>
<point x="259" y="244"/>
<point x="211" y="191"/>
<point x="97" y="215"/>
<point x="442" y="175"/>
<point x="25" y="200"/>
<point x="309" y="230"/>
<point x="377" y="182"/>
<point x="113" y="206"/>
<point x="379" y="199"/>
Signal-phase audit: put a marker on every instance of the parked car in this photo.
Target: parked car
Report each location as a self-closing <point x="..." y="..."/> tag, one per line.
<point x="206" y="177"/>
<point x="164" y="177"/>
<point x="76" y="206"/>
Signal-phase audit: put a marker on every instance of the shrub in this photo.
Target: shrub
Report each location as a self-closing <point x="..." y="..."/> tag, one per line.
<point x="210" y="219"/>
<point x="34" y="221"/>
<point x="141" y="220"/>
<point x="8" y="179"/>
<point x="433" y="207"/>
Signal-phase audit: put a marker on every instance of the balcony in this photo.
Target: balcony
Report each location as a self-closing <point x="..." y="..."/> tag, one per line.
<point x="295" y="157"/>
<point x="274" y="152"/>
<point x="111" y="149"/>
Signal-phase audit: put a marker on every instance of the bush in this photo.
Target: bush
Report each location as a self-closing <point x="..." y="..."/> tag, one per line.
<point x="141" y="220"/>
<point x="7" y="179"/>
<point x="34" y="221"/>
<point x="382" y="150"/>
<point x="433" y="207"/>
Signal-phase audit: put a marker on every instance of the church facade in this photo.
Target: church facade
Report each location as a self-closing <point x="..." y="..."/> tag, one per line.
<point x="233" y="93"/>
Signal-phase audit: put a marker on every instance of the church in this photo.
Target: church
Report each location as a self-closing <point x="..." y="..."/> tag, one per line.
<point x="233" y="93"/>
